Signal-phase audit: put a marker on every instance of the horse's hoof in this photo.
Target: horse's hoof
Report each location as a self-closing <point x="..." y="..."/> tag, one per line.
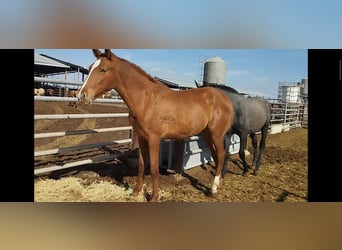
<point x="154" y="199"/>
<point x="212" y="195"/>
<point x="135" y="193"/>
<point x="245" y="173"/>
<point x="255" y="173"/>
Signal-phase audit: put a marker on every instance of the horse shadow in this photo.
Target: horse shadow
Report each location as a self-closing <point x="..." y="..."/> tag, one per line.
<point x="122" y="170"/>
<point x="284" y="195"/>
<point x="201" y="187"/>
<point x="238" y="165"/>
<point x="196" y="184"/>
<point x="113" y="170"/>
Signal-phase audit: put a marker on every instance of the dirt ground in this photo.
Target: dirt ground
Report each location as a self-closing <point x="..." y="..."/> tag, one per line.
<point x="283" y="175"/>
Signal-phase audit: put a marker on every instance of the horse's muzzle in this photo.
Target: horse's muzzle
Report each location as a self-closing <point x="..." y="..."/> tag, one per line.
<point x="84" y="99"/>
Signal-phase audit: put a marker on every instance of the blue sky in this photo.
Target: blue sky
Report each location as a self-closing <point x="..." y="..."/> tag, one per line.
<point x="254" y="71"/>
<point x="171" y="24"/>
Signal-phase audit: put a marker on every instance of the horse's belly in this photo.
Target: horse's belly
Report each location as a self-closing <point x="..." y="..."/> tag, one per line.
<point x="180" y="133"/>
<point x="177" y="129"/>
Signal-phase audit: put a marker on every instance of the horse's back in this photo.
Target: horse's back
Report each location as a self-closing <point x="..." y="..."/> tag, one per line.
<point x="218" y="98"/>
<point x="205" y="95"/>
<point x="264" y="106"/>
<point x="259" y="112"/>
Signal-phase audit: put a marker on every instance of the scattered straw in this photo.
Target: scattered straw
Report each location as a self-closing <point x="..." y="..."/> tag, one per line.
<point x="74" y="189"/>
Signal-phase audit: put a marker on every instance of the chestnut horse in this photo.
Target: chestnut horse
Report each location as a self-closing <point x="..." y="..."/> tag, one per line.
<point x="157" y="112"/>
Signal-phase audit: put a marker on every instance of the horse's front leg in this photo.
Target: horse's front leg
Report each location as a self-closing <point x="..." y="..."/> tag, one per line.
<point x="143" y="158"/>
<point x="154" y="147"/>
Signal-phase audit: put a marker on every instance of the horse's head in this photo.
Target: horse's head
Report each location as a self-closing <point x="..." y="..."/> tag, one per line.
<point x="100" y="77"/>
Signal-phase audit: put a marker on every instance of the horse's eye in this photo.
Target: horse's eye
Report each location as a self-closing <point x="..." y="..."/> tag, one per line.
<point x="103" y="70"/>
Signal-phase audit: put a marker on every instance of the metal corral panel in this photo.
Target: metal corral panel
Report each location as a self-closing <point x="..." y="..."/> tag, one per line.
<point x="196" y="152"/>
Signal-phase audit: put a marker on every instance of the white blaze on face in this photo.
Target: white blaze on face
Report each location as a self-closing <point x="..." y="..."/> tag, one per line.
<point x="95" y="65"/>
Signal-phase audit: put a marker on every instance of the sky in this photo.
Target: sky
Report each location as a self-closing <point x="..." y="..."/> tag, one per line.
<point x="171" y="24"/>
<point x="264" y="42"/>
<point x="252" y="71"/>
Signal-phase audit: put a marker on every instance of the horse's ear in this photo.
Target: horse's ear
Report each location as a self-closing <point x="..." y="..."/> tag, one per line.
<point x="108" y="54"/>
<point x="96" y="53"/>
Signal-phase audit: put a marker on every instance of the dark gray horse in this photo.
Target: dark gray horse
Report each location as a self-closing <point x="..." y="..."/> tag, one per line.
<point x="252" y="115"/>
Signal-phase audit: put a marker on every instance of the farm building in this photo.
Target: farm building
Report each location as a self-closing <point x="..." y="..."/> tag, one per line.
<point x="47" y="67"/>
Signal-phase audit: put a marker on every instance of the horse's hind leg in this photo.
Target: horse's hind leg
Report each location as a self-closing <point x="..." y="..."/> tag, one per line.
<point x="219" y="153"/>
<point x="262" y="149"/>
<point x="227" y="141"/>
<point x="243" y="143"/>
<point x="209" y="140"/>
<point x="255" y="148"/>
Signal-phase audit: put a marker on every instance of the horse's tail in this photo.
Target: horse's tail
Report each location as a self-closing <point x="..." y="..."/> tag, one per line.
<point x="269" y="110"/>
<point x="230" y="114"/>
<point x="197" y="84"/>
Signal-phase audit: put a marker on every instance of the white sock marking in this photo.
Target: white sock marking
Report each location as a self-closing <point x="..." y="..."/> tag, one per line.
<point x="215" y="184"/>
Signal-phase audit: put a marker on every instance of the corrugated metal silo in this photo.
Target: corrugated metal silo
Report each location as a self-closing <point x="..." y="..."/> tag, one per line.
<point x="215" y="71"/>
<point x="305" y="86"/>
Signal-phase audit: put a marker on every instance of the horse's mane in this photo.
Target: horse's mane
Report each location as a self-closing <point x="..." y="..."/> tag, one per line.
<point x="140" y="70"/>
<point x="220" y="86"/>
<point x="134" y="66"/>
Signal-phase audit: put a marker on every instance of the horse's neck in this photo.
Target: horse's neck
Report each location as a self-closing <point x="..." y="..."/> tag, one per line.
<point x="138" y="91"/>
